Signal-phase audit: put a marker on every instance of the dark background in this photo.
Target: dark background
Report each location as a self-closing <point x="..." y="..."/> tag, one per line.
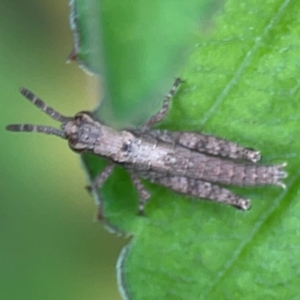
<point x="50" y="246"/>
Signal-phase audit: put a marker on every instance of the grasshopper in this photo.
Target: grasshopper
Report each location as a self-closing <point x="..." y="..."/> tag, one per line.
<point x="189" y="163"/>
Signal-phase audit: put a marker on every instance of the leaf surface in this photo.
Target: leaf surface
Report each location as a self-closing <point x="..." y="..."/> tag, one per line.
<point x="242" y="84"/>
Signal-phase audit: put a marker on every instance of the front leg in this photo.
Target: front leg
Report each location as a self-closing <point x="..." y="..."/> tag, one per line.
<point x="165" y="108"/>
<point x="144" y="195"/>
<point x="97" y="183"/>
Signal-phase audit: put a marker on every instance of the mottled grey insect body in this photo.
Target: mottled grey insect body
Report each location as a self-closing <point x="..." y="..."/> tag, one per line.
<point x="186" y="162"/>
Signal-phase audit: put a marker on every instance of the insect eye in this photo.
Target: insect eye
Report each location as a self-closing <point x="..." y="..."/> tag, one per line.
<point x="73" y="140"/>
<point x="78" y="118"/>
<point x="75" y="144"/>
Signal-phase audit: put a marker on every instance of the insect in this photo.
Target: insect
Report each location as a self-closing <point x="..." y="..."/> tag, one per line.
<point x="190" y="163"/>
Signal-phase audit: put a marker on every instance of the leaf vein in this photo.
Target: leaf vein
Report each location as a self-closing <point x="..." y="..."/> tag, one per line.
<point x="244" y="64"/>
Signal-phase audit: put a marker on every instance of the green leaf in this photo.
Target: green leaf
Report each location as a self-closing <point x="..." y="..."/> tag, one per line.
<point x="242" y="83"/>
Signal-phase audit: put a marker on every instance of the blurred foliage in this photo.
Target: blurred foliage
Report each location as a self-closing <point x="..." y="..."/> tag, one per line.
<point x="241" y="84"/>
<point x="50" y="246"/>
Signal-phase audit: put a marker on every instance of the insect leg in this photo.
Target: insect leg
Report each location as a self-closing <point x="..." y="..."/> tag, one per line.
<point x="97" y="183"/>
<point x="203" y="189"/>
<point x="166" y="105"/>
<point x="144" y="195"/>
<point x="206" y="144"/>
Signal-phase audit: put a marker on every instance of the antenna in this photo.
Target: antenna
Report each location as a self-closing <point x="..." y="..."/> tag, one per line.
<point x="36" y="128"/>
<point x="44" y="107"/>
